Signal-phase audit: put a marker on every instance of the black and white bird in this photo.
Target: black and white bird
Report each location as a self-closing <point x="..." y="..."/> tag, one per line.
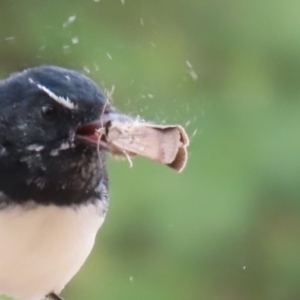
<point x="53" y="179"/>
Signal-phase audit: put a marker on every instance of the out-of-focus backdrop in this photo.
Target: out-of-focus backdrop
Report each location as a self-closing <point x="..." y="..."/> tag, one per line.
<point x="228" y="227"/>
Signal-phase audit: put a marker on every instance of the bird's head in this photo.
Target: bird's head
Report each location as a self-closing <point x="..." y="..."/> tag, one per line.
<point x="42" y="156"/>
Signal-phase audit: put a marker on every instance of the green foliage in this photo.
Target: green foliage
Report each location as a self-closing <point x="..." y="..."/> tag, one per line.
<point x="228" y="227"/>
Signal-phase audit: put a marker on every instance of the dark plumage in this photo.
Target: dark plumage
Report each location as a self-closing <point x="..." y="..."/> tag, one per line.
<point x="40" y="158"/>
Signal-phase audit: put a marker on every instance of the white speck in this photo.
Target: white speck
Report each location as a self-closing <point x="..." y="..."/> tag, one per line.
<point x="195" y="132"/>
<point x="244" y="267"/>
<point x="109" y="93"/>
<point x="193" y="74"/>
<point x="188" y="64"/>
<point x="109" y="56"/>
<point x="35" y="147"/>
<point x="139" y="119"/>
<point x="42" y="48"/>
<point x="96" y="67"/>
<point x="10" y="38"/>
<point x="96" y="0"/>
<point x="54" y="152"/>
<point x="66" y="49"/>
<point x="150" y="96"/>
<point x="130" y="278"/>
<point x="123" y="1"/>
<point x="68" y="77"/>
<point x="75" y="40"/>
<point x="142" y="21"/>
<point x="70" y="20"/>
<point x="153" y="44"/>
<point x="64" y="146"/>
<point x="86" y="69"/>
<point x="187" y="123"/>
<point x="3" y="152"/>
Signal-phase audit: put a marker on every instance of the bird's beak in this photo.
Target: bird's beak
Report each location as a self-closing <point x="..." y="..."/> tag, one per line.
<point x="90" y="132"/>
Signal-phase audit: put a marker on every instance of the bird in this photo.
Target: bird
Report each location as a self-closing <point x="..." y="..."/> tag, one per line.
<point x="53" y="178"/>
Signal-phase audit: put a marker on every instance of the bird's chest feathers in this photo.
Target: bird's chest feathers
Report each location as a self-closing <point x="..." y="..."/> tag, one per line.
<point x="45" y="246"/>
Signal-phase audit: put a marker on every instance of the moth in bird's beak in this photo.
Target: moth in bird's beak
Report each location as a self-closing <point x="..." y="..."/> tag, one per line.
<point x="124" y="136"/>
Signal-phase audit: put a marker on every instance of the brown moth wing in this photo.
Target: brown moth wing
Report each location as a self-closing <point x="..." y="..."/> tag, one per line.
<point x="183" y="136"/>
<point x="180" y="160"/>
<point x="145" y="140"/>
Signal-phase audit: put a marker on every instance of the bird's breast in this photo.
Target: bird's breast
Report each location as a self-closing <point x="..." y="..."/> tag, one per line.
<point x="43" y="247"/>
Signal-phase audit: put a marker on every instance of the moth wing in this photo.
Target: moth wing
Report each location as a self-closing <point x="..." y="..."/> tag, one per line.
<point x="183" y="135"/>
<point x="180" y="160"/>
<point x="146" y="140"/>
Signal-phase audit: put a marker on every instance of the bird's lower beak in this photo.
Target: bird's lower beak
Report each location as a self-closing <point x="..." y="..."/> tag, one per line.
<point x="92" y="132"/>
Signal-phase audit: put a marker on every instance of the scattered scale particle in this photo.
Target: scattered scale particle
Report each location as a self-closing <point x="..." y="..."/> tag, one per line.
<point x="96" y="67"/>
<point x="10" y="38"/>
<point x="86" y="69"/>
<point x="142" y="21"/>
<point x="244" y="267"/>
<point x="193" y="74"/>
<point x="109" y="93"/>
<point x="188" y="64"/>
<point x="96" y="0"/>
<point x="70" y="20"/>
<point x="153" y="44"/>
<point x="195" y="132"/>
<point x="150" y="96"/>
<point x="66" y="49"/>
<point x="75" y="40"/>
<point x="123" y="1"/>
<point x="130" y="278"/>
<point x="109" y="56"/>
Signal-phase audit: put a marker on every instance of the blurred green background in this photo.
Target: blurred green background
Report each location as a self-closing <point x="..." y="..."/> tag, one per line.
<point x="228" y="227"/>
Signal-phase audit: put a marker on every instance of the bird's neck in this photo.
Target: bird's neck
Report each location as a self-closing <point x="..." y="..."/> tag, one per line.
<point x="64" y="180"/>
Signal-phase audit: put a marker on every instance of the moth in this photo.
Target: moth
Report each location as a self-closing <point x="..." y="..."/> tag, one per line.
<point x="166" y="144"/>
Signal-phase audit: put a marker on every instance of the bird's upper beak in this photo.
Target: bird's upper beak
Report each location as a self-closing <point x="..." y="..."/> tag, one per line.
<point x="90" y="132"/>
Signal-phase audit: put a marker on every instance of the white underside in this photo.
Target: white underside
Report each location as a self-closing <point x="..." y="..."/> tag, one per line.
<point x="43" y="247"/>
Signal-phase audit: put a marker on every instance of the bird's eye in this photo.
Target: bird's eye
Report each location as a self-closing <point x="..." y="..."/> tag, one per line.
<point x="48" y="112"/>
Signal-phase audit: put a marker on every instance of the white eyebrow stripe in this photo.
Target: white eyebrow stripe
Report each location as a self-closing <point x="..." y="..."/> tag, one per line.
<point x="66" y="102"/>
